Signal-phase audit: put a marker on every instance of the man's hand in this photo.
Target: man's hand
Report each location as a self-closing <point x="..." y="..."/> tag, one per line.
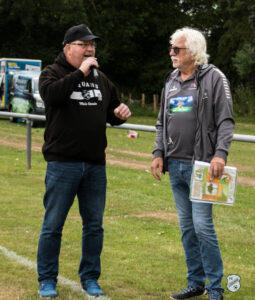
<point x="87" y="63"/>
<point x="157" y="167"/>
<point x="122" y="112"/>
<point x="217" y="167"/>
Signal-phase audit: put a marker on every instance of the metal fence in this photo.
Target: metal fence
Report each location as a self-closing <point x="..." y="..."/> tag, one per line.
<point x="29" y="117"/>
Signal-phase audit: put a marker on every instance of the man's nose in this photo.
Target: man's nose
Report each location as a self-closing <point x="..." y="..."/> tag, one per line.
<point x="171" y="52"/>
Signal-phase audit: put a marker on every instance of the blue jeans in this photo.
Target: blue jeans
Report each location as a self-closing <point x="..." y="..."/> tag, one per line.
<point x="65" y="180"/>
<point x="198" y="236"/>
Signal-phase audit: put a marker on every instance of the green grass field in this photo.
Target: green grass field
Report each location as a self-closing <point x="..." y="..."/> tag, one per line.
<point x="142" y="256"/>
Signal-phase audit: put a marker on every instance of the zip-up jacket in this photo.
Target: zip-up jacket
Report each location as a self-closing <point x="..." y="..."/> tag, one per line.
<point x="214" y="116"/>
<point x="77" y="110"/>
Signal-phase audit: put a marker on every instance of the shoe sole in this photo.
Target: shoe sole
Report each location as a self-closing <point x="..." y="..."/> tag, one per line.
<point x="48" y="297"/>
<point x="92" y="296"/>
<point x="204" y="293"/>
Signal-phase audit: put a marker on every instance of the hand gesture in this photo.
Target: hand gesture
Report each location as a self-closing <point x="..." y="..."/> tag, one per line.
<point x="122" y="112"/>
<point x="157" y="167"/>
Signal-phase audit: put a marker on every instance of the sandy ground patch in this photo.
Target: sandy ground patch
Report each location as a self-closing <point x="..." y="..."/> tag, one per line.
<point x="158" y="215"/>
<point x="126" y="162"/>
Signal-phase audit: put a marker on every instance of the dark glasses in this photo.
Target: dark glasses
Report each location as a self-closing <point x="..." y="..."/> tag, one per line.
<point x="176" y="49"/>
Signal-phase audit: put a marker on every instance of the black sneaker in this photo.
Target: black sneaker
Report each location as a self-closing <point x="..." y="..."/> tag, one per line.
<point x="188" y="292"/>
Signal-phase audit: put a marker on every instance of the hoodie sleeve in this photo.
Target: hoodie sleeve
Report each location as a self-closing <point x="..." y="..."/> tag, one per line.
<point x="223" y="114"/>
<point x="114" y="102"/>
<point x="55" y="89"/>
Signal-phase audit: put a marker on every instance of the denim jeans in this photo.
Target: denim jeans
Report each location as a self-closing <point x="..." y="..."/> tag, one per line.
<point x="63" y="181"/>
<point x="198" y="235"/>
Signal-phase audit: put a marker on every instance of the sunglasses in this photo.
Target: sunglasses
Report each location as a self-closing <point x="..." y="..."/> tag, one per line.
<point x="176" y="49"/>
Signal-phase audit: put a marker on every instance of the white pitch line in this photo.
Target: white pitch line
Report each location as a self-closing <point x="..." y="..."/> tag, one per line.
<point x="62" y="280"/>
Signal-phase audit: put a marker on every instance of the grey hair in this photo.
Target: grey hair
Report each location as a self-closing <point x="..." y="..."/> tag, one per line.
<point x="195" y="42"/>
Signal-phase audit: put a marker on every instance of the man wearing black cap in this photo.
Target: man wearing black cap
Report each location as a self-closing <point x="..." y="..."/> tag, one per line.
<point x="78" y="106"/>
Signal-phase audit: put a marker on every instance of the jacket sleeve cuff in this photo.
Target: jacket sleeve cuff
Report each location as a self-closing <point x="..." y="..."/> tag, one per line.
<point x="221" y="154"/>
<point x="78" y="73"/>
<point x="157" y="153"/>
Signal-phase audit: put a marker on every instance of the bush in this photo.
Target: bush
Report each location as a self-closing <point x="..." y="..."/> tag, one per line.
<point x="244" y="101"/>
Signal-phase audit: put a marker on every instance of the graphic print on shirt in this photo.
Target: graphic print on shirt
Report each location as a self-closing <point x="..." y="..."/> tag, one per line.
<point x="193" y="86"/>
<point x="181" y="104"/>
<point x="87" y="93"/>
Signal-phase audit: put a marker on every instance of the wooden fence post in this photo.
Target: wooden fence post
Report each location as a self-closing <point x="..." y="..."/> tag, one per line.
<point x="143" y="100"/>
<point x="155" y="100"/>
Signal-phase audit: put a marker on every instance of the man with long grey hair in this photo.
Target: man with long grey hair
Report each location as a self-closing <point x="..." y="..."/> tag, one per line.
<point x="195" y="122"/>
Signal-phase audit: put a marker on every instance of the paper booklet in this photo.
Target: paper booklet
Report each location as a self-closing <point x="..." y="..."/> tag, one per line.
<point x="216" y="190"/>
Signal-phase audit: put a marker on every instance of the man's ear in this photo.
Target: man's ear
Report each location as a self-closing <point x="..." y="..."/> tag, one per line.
<point x="67" y="50"/>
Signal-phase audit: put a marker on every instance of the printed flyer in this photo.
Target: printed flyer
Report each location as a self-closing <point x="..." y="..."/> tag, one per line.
<point x="215" y="190"/>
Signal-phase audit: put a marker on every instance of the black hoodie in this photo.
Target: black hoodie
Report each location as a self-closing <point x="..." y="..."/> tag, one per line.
<point x="77" y="109"/>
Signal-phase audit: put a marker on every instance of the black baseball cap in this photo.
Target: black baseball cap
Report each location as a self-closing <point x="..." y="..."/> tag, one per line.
<point x="80" y="32"/>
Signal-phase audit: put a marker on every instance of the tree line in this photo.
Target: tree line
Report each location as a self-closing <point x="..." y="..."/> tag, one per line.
<point x="134" y="46"/>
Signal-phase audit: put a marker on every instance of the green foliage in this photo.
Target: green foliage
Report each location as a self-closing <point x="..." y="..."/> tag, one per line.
<point x="35" y="29"/>
<point x="133" y="50"/>
<point x="234" y="33"/>
<point x="138" y="110"/>
<point x="244" y="61"/>
<point x="135" y="40"/>
<point x="244" y="101"/>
